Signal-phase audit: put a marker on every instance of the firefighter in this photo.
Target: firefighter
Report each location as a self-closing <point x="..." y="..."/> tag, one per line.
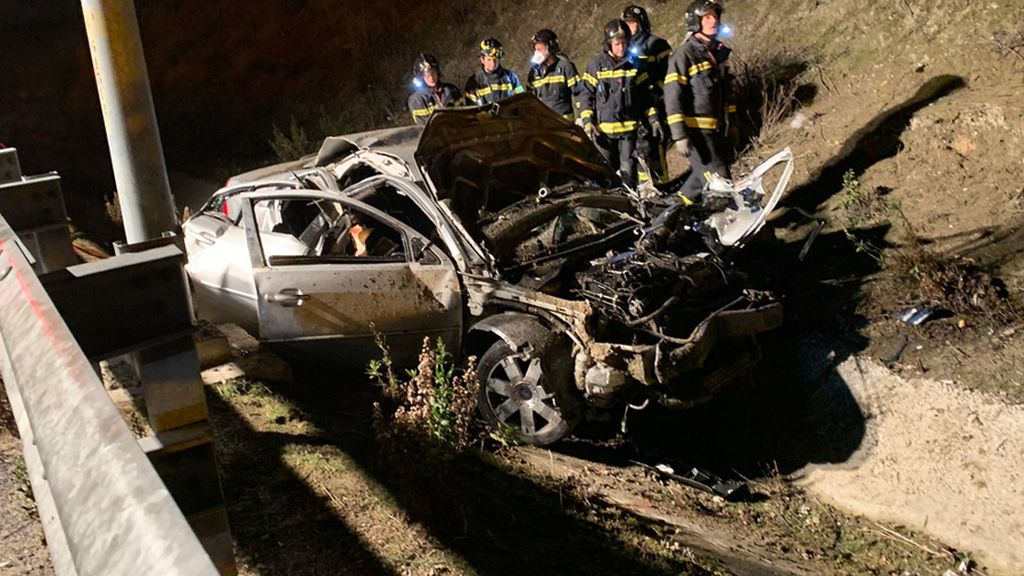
<point x="651" y="54"/>
<point x="492" y="82"/>
<point x="432" y="94"/>
<point x="698" y="98"/>
<point x="552" y="76"/>
<point x="612" y="103"/>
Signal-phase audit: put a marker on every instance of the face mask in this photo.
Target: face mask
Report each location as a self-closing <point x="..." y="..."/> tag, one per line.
<point x="538" y="58"/>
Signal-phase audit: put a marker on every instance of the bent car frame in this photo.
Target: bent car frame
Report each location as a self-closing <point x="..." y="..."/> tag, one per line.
<point x="501" y="231"/>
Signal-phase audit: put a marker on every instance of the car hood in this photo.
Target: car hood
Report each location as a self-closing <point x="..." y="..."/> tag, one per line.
<point x="490" y="157"/>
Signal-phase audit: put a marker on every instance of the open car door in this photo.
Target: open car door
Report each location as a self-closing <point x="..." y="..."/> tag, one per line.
<point x="331" y="271"/>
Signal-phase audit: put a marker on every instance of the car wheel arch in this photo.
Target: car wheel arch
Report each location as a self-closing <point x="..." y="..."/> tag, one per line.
<point x="517" y="329"/>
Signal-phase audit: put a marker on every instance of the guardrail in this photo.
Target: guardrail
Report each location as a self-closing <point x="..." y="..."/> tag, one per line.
<point x="104" y="507"/>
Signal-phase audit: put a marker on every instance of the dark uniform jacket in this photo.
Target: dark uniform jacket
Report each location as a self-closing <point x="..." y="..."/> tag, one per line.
<point x="555" y="85"/>
<point x="698" y="88"/>
<point x="424" y="101"/>
<point x="486" y="88"/>
<point x="652" y="54"/>
<point x="612" y="97"/>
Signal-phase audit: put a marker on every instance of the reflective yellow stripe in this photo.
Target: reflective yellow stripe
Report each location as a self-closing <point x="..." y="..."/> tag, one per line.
<point x="665" y="54"/>
<point x="518" y="90"/>
<point x="686" y="201"/>
<point x="590" y="79"/>
<point x="641" y="78"/>
<point x="675" y="77"/>
<point x="572" y="81"/>
<point x="693" y="70"/>
<point x="586" y="114"/>
<point x="567" y="116"/>
<point x="616" y="73"/>
<point x="423" y="112"/>
<point x="494" y="88"/>
<point x="642" y="176"/>
<point x="702" y="122"/>
<point x="731" y="109"/>
<point x="617" y="127"/>
<point x="560" y="79"/>
<point x="652" y="111"/>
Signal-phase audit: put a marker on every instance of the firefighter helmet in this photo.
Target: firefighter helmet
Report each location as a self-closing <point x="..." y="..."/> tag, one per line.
<point x="423" y="62"/>
<point x="491" y="48"/>
<point x="617" y="30"/>
<point x="547" y="38"/>
<point x="637" y="14"/>
<point x="698" y="9"/>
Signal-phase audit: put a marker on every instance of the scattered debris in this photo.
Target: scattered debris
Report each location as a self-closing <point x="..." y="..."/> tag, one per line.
<point x="916" y="315"/>
<point x="901" y="345"/>
<point x="810" y="240"/>
<point x="731" y="490"/>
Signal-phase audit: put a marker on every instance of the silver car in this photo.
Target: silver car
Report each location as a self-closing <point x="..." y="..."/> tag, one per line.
<point x="501" y="231"/>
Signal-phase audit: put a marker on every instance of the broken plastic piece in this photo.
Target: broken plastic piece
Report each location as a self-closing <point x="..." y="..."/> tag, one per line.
<point x="916" y="315"/>
<point x="732" y="490"/>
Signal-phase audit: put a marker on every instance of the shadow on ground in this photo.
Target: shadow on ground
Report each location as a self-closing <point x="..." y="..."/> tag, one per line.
<point x="279" y="524"/>
<point x="877" y="140"/>
<point x="498" y="522"/>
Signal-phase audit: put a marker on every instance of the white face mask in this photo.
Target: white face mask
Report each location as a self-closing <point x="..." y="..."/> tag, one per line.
<point x="538" y="58"/>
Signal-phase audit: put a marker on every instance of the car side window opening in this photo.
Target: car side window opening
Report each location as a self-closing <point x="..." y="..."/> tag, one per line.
<point x="306" y="231"/>
<point x="385" y="198"/>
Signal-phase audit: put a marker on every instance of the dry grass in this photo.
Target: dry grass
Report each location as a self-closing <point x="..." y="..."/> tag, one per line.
<point x="432" y="412"/>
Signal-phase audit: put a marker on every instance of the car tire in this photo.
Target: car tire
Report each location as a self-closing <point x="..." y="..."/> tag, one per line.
<point x="514" y="392"/>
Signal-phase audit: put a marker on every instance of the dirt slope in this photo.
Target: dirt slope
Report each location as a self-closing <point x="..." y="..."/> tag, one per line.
<point x="934" y="457"/>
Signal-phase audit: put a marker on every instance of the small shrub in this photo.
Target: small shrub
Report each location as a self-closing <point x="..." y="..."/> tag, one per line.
<point x="432" y="412"/>
<point x="293" y="145"/>
<point x="112" y="204"/>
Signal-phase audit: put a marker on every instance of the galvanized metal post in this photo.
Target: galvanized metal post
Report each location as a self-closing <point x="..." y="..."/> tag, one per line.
<point x="128" y="114"/>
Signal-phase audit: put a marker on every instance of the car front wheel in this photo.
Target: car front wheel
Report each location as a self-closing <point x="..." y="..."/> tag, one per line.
<point x="515" y="394"/>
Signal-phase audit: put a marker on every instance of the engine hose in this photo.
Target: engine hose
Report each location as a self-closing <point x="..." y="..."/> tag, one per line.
<point x="653" y="315"/>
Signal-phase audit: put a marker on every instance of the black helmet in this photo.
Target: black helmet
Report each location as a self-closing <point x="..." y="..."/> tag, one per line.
<point x="492" y="48"/>
<point x="698" y="9"/>
<point x="423" y="62"/>
<point x="637" y="14"/>
<point x="617" y="29"/>
<point x="548" y="38"/>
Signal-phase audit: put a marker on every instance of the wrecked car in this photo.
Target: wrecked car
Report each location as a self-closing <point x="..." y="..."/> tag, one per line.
<point x="501" y="231"/>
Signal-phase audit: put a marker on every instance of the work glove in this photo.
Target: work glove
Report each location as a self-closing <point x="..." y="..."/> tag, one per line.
<point x="591" y="130"/>
<point x="681" y="148"/>
<point x="657" y="130"/>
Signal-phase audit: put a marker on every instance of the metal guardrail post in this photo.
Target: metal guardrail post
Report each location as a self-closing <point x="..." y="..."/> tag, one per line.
<point x="153" y="323"/>
<point x="103" y="506"/>
<point x="34" y="208"/>
<point x="10" y="168"/>
<point x="130" y="118"/>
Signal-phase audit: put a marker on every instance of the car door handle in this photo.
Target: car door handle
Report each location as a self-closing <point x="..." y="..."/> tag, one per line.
<point x="289" y="297"/>
<point x="205" y="237"/>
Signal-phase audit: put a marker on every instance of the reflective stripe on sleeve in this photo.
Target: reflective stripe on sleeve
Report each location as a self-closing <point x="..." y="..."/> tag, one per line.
<point x="617" y="127"/>
<point x="697" y="68"/>
<point x="701" y="122"/>
<point x="677" y="78"/>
